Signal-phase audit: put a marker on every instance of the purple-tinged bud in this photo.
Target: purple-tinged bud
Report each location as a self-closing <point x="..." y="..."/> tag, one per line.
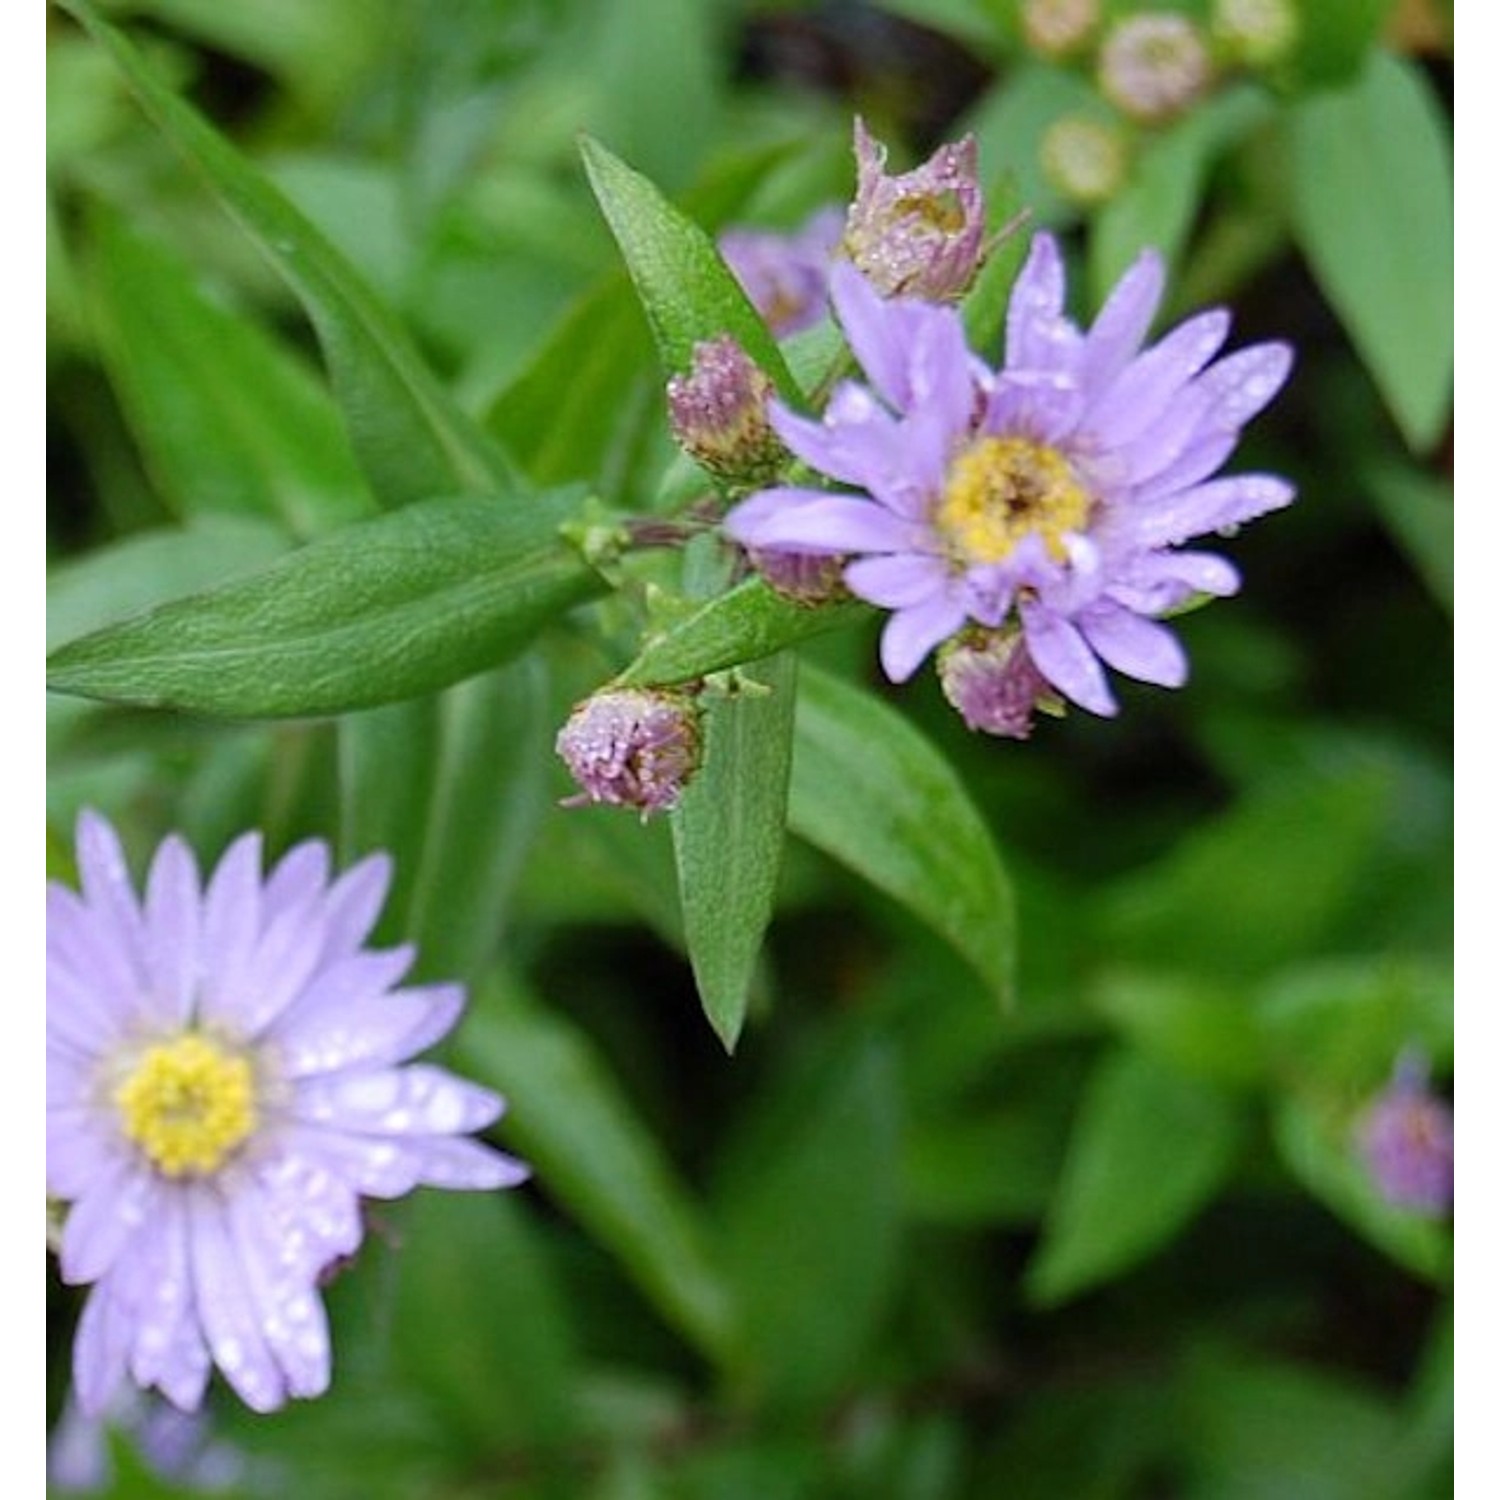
<point x="631" y="747"/>
<point x="718" y="414"/>
<point x="989" y="677"/>
<point x="1152" y="66"/>
<point x="1084" y="159"/>
<point x="919" y="234"/>
<point x="1054" y="28"/>
<point x="1406" y="1139"/>
<point x="1257" y="33"/>
<point x="785" y="276"/>
<point x="804" y="577"/>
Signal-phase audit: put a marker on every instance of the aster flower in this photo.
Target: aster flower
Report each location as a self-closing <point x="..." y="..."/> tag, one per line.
<point x="631" y="747"/>
<point x="921" y="232"/>
<point x="785" y="276"/>
<point x="1056" y="491"/>
<point x="1406" y="1139"/>
<point x="228" y="1075"/>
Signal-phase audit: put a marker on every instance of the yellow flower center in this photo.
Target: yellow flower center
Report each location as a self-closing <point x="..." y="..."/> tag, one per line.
<point x="1001" y="490"/>
<point x="188" y="1104"/>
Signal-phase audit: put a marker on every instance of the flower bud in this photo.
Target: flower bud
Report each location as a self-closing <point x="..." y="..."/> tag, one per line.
<point x="1152" y="66"/>
<point x="785" y="276"/>
<point x="1054" y="28"/>
<point x="1256" y="33"/>
<point x="804" y="577"/>
<point x="1406" y="1139"/>
<point x="1084" y="159"/>
<point x="921" y="233"/>
<point x="989" y="677"/>
<point x="631" y="747"/>
<point x="717" y="413"/>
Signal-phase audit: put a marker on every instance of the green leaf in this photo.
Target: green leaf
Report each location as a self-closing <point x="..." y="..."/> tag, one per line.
<point x="746" y="623"/>
<point x="1418" y="511"/>
<point x="568" y="413"/>
<point x="409" y="436"/>
<point x="1163" y="198"/>
<point x="479" y="1324"/>
<point x="688" y="292"/>
<point x="226" y="417"/>
<point x="569" y="1120"/>
<point x="869" y="789"/>
<point x="1254" y="888"/>
<point x="1149" y="1149"/>
<point x="727" y="835"/>
<point x="1191" y="1023"/>
<point x="379" y="611"/>
<point x="1334" y="38"/>
<point x="1372" y="199"/>
<point x="809" y="1207"/>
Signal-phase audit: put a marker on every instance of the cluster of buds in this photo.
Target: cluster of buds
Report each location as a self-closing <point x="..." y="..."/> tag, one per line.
<point x="632" y="747"/>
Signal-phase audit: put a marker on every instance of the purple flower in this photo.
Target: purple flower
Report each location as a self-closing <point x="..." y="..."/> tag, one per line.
<point x="988" y="677"/>
<point x="717" y="413"/>
<point x="1055" y="492"/>
<point x="1406" y="1138"/>
<point x="227" y="1076"/>
<point x="631" y="747"/>
<point x="785" y="276"/>
<point x="920" y="233"/>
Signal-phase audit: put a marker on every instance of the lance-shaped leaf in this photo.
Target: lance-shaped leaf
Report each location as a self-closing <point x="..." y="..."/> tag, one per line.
<point x="727" y="833"/>
<point x="1372" y="198"/>
<point x="871" y="790"/>
<point x="688" y="292"/>
<point x="411" y="438"/>
<point x="746" y="623"/>
<point x="379" y="611"/>
<point x="226" y="417"/>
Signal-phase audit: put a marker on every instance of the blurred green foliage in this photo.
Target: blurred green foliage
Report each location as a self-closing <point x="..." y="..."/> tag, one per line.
<point x="1032" y="1171"/>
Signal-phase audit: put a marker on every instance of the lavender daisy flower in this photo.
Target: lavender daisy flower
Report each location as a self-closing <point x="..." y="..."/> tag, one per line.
<point x="227" y="1075"/>
<point x="785" y="276"/>
<point x="1056" y="491"/>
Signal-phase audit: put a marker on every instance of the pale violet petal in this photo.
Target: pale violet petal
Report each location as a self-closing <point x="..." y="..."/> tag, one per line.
<point x="1138" y="647"/>
<point x="1063" y="657"/>
<point x="910" y="634"/>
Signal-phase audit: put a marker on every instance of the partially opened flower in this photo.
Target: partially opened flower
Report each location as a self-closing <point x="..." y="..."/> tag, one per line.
<point x="918" y="233"/>
<point x="631" y="747"/>
<point x="228" y="1074"/>
<point x="1056" y="491"/>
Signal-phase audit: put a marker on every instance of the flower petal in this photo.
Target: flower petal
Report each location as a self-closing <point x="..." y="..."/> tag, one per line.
<point x="1060" y="653"/>
<point x="172" y="921"/>
<point x="1138" y="647"/>
<point x="911" y="633"/>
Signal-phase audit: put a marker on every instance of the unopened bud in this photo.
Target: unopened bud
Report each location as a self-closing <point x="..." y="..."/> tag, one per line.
<point x="920" y="233"/>
<point x="1256" y="33"/>
<point x="1152" y="66"/>
<point x="785" y="276"/>
<point x="1055" y="28"/>
<point x="804" y="577"/>
<point x="1084" y="159"/>
<point x="631" y="747"/>
<point x="1406" y="1139"/>
<point x="989" y="677"/>
<point x="718" y="414"/>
